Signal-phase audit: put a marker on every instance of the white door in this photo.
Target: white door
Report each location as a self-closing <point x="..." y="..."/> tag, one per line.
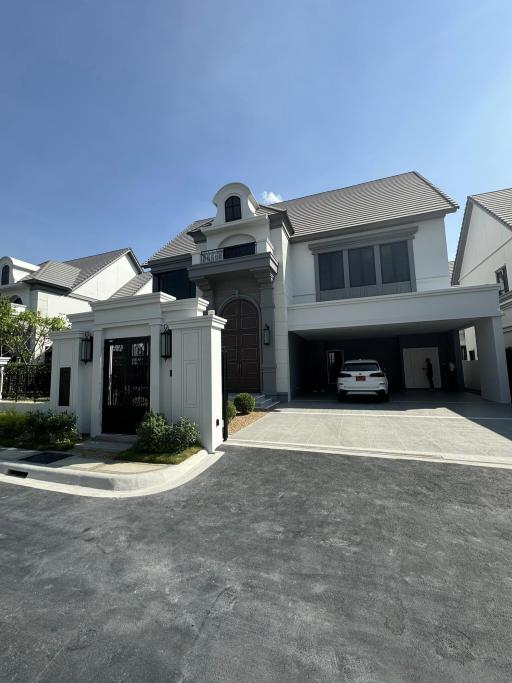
<point x="415" y="364"/>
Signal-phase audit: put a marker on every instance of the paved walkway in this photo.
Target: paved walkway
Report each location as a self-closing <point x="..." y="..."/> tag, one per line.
<point x="458" y="427"/>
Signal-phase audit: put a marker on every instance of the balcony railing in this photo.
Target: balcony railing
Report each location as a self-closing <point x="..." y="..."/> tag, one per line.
<point x="214" y="255"/>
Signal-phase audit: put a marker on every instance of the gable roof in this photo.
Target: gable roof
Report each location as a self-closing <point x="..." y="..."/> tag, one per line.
<point x="393" y="199"/>
<point x="498" y="204"/>
<point x="73" y="273"/>
<point x="131" y="287"/>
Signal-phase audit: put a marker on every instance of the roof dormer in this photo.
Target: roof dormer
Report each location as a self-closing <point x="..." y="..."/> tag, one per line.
<point x="234" y="202"/>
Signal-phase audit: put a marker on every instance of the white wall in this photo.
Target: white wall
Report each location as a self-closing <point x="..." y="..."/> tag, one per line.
<point x="53" y="305"/>
<point x="488" y="247"/>
<point x="109" y="280"/>
<point x="430" y="261"/>
<point x="281" y="248"/>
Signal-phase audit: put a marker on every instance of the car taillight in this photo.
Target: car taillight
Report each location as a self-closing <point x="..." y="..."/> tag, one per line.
<point x="377" y="374"/>
<point x="344" y="374"/>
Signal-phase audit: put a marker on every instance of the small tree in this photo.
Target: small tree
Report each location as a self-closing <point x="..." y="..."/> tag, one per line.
<point x="26" y="334"/>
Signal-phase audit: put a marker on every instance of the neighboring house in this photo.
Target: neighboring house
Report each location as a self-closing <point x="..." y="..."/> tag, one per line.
<point x="484" y="255"/>
<point x="60" y="288"/>
<point x="307" y="283"/>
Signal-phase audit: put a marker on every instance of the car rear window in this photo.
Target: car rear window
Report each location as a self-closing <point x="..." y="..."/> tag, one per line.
<point x="361" y="367"/>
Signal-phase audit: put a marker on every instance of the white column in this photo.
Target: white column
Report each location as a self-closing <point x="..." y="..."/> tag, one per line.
<point x="154" y="368"/>
<point x="97" y="382"/>
<point x="492" y="359"/>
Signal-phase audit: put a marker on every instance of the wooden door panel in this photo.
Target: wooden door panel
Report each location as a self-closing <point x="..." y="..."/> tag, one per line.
<point x="241" y="341"/>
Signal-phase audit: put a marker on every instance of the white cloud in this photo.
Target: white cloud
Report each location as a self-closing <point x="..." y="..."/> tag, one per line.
<point x="271" y="197"/>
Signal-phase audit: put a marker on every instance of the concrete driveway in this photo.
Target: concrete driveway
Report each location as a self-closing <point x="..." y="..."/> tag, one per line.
<point x="264" y="569"/>
<point x="453" y="427"/>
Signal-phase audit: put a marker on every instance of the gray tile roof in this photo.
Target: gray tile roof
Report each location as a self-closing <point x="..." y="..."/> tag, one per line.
<point x="131" y="287"/>
<point x="450" y="269"/>
<point x="498" y="203"/>
<point x="71" y="274"/>
<point x="388" y="199"/>
<point x="395" y="198"/>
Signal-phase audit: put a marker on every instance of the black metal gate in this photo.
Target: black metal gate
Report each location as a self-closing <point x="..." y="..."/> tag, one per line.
<point x="125" y="384"/>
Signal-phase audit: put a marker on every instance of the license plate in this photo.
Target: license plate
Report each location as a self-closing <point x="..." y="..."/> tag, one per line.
<point x="361" y="379"/>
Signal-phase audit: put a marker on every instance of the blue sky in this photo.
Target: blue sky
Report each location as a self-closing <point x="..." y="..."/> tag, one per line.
<point x="119" y="119"/>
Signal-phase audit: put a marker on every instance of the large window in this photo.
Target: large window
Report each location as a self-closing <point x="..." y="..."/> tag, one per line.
<point x="330" y="270"/>
<point x="394" y="261"/>
<point x="361" y="263"/>
<point x="5" y="275"/>
<point x="174" y="282"/>
<point x="502" y="279"/>
<point x="232" y="209"/>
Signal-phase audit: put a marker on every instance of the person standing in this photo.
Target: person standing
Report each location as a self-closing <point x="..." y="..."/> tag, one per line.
<point x="429" y="371"/>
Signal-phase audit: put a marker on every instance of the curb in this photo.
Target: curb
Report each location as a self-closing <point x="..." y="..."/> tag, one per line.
<point x="66" y="480"/>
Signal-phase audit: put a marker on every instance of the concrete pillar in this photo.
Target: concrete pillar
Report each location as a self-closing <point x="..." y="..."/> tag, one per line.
<point x="492" y="360"/>
<point x="97" y="382"/>
<point x="154" y="367"/>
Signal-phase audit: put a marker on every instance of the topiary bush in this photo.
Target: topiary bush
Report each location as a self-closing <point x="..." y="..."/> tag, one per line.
<point x="156" y="435"/>
<point x="244" y="403"/>
<point x="184" y="433"/>
<point x="231" y="410"/>
<point x="153" y="433"/>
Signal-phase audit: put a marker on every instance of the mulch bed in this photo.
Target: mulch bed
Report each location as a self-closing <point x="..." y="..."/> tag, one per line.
<point x="241" y="421"/>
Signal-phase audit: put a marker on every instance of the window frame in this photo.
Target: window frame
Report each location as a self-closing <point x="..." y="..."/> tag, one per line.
<point x="235" y="209"/>
<point x="5" y="270"/>
<point x="503" y="270"/>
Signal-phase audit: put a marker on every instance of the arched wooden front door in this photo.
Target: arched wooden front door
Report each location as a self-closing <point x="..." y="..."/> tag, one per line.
<point x="241" y="341"/>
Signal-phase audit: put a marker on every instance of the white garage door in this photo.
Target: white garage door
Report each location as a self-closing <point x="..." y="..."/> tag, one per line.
<point x="415" y="364"/>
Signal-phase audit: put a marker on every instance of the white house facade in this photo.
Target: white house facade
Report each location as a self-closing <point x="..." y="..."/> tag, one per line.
<point x="484" y="255"/>
<point x="60" y="288"/>
<point x="357" y="272"/>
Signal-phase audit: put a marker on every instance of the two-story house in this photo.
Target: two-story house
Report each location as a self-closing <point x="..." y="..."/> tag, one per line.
<point x="484" y="255"/>
<point x="59" y="288"/>
<point x="356" y="272"/>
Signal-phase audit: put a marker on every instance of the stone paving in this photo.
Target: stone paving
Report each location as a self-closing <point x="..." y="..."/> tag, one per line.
<point x="461" y="425"/>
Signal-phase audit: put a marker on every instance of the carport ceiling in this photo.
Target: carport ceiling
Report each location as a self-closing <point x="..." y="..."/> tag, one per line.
<point x="379" y="331"/>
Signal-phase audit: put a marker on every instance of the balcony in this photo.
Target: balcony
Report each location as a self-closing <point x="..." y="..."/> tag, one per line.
<point x="222" y="254"/>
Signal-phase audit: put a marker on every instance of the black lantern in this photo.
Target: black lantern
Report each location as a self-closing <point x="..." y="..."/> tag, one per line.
<point x="86" y="348"/>
<point x="266" y="335"/>
<point x="166" y="343"/>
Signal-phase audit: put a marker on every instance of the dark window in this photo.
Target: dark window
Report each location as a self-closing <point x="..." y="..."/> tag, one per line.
<point x="361" y="367"/>
<point x="394" y="261"/>
<point x="246" y="249"/>
<point x="464" y="352"/>
<point x="330" y="270"/>
<point x="361" y="264"/>
<point x="174" y="282"/>
<point x="16" y="300"/>
<point x="232" y="209"/>
<point x="472" y="354"/>
<point x="5" y="275"/>
<point x="502" y="279"/>
<point x="64" y="386"/>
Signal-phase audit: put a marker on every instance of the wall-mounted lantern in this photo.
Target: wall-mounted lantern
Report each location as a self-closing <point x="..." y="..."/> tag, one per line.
<point x="166" y="343"/>
<point x="266" y="335"/>
<point x="86" y="348"/>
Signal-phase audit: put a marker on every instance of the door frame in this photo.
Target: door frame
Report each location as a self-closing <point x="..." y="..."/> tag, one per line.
<point x="251" y="300"/>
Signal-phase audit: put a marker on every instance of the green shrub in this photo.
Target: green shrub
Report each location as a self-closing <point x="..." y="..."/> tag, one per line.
<point x="231" y="410"/>
<point x="184" y="433"/>
<point x="156" y="435"/>
<point x="244" y="403"/>
<point x="153" y="433"/>
<point x="44" y="429"/>
<point x="12" y="424"/>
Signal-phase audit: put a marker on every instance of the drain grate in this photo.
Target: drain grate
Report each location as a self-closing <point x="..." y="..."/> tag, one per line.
<point x="45" y="458"/>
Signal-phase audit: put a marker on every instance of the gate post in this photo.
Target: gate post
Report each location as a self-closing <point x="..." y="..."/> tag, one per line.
<point x="225" y="428"/>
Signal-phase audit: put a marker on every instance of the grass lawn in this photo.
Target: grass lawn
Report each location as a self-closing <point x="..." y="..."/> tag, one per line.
<point x="175" y="458"/>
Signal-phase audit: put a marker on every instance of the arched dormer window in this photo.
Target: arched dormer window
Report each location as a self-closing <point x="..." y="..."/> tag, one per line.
<point x="5" y="275"/>
<point x="16" y="300"/>
<point x="232" y="209"/>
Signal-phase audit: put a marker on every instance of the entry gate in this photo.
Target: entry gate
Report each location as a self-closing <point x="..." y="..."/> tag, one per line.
<point x="125" y="384"/>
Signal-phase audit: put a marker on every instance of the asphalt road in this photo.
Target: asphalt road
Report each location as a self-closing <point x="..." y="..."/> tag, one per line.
<point x="270" y="566"/>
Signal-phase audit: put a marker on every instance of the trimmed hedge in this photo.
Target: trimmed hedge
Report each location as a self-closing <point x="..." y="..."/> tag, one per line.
<point x="155" y="434"/>
<point x="244" y="403"/>
<point x="38" y="430"/>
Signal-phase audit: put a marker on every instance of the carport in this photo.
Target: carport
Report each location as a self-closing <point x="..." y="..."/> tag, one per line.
<point x="400" y="331"/>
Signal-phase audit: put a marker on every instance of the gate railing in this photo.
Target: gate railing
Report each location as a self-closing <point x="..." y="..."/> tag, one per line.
<point x="26" y="381"/>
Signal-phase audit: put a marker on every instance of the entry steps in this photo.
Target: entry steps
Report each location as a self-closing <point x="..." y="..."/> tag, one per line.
<point x="263" y="402"/>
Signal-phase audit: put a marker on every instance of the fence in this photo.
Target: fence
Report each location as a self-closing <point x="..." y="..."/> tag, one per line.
<point x="23" y="381"/>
